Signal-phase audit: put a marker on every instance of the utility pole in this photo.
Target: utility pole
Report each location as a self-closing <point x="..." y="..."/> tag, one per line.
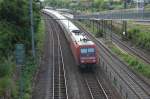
<point x="32" y="28"/>
<point x="124" y="35"/>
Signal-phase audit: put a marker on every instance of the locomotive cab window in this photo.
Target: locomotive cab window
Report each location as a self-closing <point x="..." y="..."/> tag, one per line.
<point x="83" y="50"/>
<point x="87" y="52"/>
<point x="91" y="50"/>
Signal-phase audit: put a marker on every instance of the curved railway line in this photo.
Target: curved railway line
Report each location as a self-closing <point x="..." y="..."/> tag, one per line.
<point x="94" y="86"/>
<point x="59" y="75"/>
<point x="139" y="87"/>
<point x="51" y="79"/>
<point x="56" y="80"/>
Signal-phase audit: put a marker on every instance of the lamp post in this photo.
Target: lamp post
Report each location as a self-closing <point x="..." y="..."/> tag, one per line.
<point x="32" y="28"/>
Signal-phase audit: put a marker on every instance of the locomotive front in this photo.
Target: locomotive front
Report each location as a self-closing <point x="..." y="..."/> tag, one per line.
<point x="88" y="55"/>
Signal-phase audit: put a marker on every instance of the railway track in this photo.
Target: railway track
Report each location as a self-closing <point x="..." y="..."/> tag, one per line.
<point x="141" y="55"/>
<point x="139" y="87"/>
<point x="128" y="48"/>
<point x="59" y="76"/>
<point x="95" y="88"/>
<point x="59" y="85"/>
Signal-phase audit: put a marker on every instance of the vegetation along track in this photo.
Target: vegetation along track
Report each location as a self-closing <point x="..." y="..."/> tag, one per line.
<point x="139" y="87"/>
<point x="136" y="52"/>
<point x="126" y="47"/>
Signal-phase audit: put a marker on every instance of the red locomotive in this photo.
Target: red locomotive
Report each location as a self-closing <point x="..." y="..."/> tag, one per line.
<point x="84" y="50"/>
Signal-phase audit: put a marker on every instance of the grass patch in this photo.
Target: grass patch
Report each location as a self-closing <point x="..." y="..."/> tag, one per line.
<point x="138" y="33"/>
<point x="133" y="62"/>
<point x="40" y="36"/>
<point x="8" y="87"/>
<point x="140" y="37"/>
<point x="27" y="77"/>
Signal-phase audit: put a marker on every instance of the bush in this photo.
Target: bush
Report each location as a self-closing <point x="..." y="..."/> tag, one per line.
<point x="27" y="76"/>
<point x="140" y="38"/>
<point x="6" y="68"/>
<point x="133" y="61"/>
<point x="5" y="84"/>
<point x="27" y="96"/>
<point x="99" y="33"/>
<point x="132" y="33"/>
<point x="144" y="40"/>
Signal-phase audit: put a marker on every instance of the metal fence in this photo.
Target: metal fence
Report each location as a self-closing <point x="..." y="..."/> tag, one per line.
<point x="124" y="14"/>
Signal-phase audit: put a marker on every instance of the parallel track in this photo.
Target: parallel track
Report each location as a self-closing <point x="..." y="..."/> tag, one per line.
<point x="137" y="53"/>
<point x="133" y="51"/>
<point x="137" y="85"/>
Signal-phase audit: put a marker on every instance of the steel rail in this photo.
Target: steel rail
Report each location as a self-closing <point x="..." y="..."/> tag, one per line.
<point x="115" y="38"/>
<point x="89" y="89"/>
<point x="53" y="65"/>
<point x="48" y="83"/>
<point x="102" y="88"/>
<point x="62" y="59"/>
<point x="132" y="50"/>
<point x="127" y="72"/>
<point x="62" y="63"/>
<point x="127" y="83"/>
<point x="130" y="86"/>
<point x="133" y="79"/>
<point x="61" y="56"/>
<point x="59" y="81"/>
<point x="130" y="75"/>
<point x="112" y="55"/>
<point x="92" y="89"/>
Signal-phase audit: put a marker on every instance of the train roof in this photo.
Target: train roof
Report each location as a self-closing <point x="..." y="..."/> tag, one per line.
<point x="55" y="13"/>
<point x="76" y="34"/>
<point x="81" y="39"/>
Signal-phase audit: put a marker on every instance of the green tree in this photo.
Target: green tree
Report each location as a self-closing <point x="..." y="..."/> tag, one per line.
<point x="15" y="24"/>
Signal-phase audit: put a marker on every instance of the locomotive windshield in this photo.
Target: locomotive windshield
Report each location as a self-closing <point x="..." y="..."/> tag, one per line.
<point x="85" y="52"/>
<point x="91" y="50"/>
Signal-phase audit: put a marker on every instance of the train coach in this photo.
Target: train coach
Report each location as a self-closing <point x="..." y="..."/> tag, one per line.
<point x="84" y="50"/>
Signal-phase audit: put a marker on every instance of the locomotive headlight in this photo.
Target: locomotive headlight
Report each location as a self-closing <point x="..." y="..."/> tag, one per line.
<point x="94" y="60"/>
<point x="82" y="61"/>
